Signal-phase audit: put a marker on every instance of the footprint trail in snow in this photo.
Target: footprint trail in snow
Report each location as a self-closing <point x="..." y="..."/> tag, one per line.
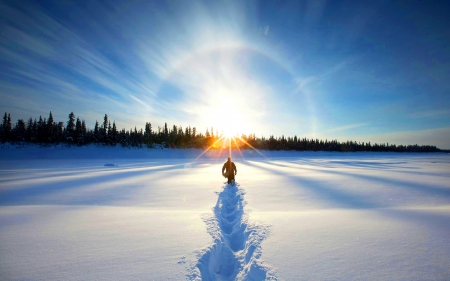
<point x="236" y="252"/>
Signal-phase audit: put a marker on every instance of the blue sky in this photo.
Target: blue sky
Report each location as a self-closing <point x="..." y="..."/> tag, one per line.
<point x="349" y="70"/>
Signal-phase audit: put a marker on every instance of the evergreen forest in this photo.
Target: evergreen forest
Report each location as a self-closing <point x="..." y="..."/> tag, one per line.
<point x="47" y="131"/>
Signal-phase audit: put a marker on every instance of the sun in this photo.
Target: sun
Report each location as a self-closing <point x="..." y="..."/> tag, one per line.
<point x="229" y="117"/>
<point x="229" y="132"/>
<point x="230" y="124"/>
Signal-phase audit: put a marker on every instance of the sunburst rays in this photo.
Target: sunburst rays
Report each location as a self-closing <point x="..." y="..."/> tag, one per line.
<point x="229" y="143"/>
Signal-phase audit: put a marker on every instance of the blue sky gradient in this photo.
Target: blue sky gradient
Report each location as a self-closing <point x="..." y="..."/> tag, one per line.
<point x="349" y="70"/>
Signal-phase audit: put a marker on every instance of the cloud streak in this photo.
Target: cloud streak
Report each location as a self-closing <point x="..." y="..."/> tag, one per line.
<point x="347" y="127"/>
<point x="59" y="65"/>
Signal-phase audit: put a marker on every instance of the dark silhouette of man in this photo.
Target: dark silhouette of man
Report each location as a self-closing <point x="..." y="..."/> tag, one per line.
<point x="230" y="170"/>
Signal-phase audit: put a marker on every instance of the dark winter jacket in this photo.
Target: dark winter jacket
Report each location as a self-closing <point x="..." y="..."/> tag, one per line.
<point x="229" y="167"/>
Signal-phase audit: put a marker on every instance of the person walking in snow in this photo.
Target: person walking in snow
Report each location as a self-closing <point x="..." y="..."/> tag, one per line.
<point x="230" y="170"/>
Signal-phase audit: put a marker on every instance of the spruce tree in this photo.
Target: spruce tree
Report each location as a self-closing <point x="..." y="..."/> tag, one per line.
<point x="9" y="127"/>
<point x="70" y="128"/>
<point x="34" y="131"/>
<point x="3" y="128"/>
<point x="105" y="129"/>
<point x="41" y="130"/>
<point x="114" y="134"/>
<point x="166" y="130"/>
<point x="6" y="128"/>
<point x="148" y="128"/>
<point x="148" y="134"/>
<point x="79" y="132"/>
<point x="19" y="130"/>
<point x="96" y="132"/>
<point x="83" y="128"/>
<point x="60" y="131"/>
<point x="135" y="138"/>
<point x="29" y="132"/>
<point x="49" y="131"/>
<point x="109" y="133"/>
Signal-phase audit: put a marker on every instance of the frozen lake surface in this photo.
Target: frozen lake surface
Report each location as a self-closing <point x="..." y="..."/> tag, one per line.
<point x="137" y="214"/>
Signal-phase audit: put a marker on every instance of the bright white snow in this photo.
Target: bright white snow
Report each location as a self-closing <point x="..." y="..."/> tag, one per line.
<point x="87" y="213"/>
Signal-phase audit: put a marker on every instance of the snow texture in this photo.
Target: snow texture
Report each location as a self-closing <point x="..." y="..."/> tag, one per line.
<point x="167" y="215"/>
<point x="236" y="250"/>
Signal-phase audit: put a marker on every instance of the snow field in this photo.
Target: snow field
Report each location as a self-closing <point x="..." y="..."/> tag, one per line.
<point x="354" y="219"/>
<point x="99" y="243"/>
<point x="160" y="215"/>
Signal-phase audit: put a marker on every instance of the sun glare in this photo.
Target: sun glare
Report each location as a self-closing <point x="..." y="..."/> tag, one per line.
<point x="231" y="127"/>
<point x="230" y="120"/>
<point x="229" y="133"/>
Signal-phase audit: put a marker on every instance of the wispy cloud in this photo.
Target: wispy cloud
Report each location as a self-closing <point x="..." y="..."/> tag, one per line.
<point x="430" y="113"/>
<point x="309" y="82"/>
<point x="302" y="83"/>
<point x="346" y="127"/>
<point x="61" y="67"/>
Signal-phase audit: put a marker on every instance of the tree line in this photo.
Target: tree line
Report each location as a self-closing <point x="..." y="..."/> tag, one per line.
<point x="75" y="132"/>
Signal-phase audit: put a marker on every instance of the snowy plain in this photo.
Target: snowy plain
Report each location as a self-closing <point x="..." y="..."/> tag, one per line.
<point x="102" y="213"/>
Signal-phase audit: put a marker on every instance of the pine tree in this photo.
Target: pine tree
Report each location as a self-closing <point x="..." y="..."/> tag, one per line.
<point x="70" y="128"/>
<point x="49" y="131"/>
<point x="60" y="131"/>
<point x="114" y="134"/>
<point x="105" y="129"/>
<point x="6" y="128"/>
<point x="185" y="139"/>
<point x="166" y="131"/>
<point x="34" y="131"/>
<point x="29" y="132"/>
<point x="19" y="130"/>
<point x="79" y="139"/>
<point x="173" y="136"/>
<point x="4" y="124"/>
<point x="50" y="119"/>
<point x="109" y="133"/>
<point x="96" y="132"/>
<point x="148" y="134"/>
<point x="83" y="128"/>
<point x="148" y="128"/>
<point x="2" y="127"/>
<point x="9" y="127"/>
<point x="41" y="130"/>
<point x="135" y="138"/>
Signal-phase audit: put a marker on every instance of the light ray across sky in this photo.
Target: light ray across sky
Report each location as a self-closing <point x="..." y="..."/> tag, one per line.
<point x="328" y="69"/>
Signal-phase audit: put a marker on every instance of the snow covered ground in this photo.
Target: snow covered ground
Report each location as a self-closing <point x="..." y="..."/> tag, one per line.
<point x="137" y="214"/>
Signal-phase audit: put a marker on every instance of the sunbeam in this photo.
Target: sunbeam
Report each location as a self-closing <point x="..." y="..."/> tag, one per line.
<point x="210" y="147"/>
<point x="260" y="153"/>
<point x="237" y="147"/>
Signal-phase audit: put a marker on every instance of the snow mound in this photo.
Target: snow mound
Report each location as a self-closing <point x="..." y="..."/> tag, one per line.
<point x="236" y="252"/>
